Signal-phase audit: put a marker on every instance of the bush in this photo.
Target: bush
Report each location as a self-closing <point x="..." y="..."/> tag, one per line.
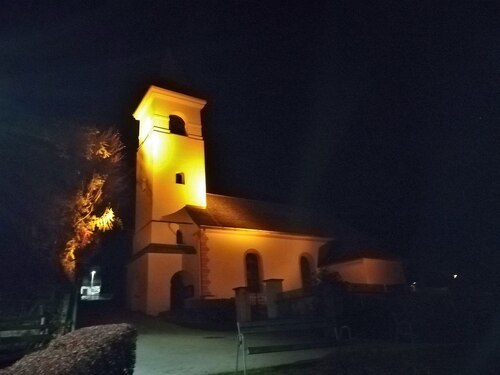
<point x="99" y="350"/>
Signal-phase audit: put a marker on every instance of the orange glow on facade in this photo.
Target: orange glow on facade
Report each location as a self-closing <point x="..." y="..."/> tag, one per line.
<point x="168" y="152"/>
<point x="215" y="238"/>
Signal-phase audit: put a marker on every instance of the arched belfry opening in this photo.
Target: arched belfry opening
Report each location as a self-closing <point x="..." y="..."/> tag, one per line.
<point x="177" y="125"/>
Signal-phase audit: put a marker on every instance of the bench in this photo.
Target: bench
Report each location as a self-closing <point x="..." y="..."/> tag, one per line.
<point x="296" y="334"/>
<point x="22" y="335"/>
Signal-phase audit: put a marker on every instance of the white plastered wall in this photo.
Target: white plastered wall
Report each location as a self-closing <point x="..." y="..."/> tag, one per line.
<point x="161" y="268"/>
<point x="137" y="279"/>
<point x="279" y="254"/>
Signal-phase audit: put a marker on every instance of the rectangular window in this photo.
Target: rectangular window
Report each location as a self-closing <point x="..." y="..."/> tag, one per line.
<point x="179" y="178"/>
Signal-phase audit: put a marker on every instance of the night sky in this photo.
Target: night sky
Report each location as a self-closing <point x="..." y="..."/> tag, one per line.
<point x="385" y="114"/>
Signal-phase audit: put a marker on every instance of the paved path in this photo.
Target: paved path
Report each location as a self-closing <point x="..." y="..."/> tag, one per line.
<point x="164" y="348"/>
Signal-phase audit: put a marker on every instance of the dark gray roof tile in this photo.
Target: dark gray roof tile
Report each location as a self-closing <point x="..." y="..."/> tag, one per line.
<point x="231" y="212"/>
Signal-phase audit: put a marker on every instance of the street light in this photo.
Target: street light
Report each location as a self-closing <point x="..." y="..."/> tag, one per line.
<point x="92" y="273"/>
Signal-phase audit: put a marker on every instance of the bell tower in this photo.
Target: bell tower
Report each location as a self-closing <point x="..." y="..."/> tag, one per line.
<point x="170" y="170"/>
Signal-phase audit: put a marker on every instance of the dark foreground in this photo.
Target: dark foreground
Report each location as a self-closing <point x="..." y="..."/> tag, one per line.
<point x="389" y="358"/>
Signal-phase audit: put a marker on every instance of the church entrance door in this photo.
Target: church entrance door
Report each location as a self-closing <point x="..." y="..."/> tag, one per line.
<point x="177" y="292"/>
<point x="181" y="288"/>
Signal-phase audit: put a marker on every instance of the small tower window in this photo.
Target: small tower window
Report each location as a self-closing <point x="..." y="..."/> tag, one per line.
<point x="177" y="125"/>
<point x="179" y="238"/>
<point x="179" y="178"/>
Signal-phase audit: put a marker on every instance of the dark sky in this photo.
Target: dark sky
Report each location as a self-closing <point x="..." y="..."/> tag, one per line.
<point x="383" y="113"/>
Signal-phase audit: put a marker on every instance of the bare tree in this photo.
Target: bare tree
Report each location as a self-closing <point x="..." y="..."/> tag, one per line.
<point x="89" y="211"/>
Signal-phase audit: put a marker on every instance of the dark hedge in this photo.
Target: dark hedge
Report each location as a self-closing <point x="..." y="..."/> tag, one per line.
<point x="98" y="350"/>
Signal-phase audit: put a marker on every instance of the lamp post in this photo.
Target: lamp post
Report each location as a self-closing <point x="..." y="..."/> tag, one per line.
<point x="92" y="274"/>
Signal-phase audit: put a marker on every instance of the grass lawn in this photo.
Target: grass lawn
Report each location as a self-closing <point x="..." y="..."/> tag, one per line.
<point x="387" y="359"/>
<point x="293" y="369"/>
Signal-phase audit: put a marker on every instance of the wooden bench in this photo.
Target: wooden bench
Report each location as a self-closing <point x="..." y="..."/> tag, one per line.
<point x="21" y="335"/>
<point x="297" y="334"/>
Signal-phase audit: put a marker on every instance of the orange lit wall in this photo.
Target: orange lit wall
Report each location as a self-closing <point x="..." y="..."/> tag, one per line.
<point x="161" y="155"/>
<point x="280" y="256"/>
<point x="161" y="268"/>
<point x="149" y="276"/>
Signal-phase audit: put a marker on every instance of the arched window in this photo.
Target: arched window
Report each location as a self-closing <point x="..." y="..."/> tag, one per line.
<point x="252" y="264"/>
<point x="176" y="125"/>
<point x="306" y="273"/>
<point x="179" y="238"/>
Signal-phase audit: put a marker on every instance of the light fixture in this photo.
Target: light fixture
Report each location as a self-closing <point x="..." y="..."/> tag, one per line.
<point x="92" y="274"/>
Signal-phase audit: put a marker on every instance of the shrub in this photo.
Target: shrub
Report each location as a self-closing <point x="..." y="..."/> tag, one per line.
<point x="99" y="350"/>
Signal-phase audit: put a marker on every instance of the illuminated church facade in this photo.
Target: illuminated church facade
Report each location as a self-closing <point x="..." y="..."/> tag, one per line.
<point x="191" y="245"/>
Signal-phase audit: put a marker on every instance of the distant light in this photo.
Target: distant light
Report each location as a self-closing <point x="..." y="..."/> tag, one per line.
<point x="413" y="286"/>
<point x="455" y="276"/>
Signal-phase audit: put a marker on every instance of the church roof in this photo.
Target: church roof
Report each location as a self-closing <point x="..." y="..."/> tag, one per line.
<point x="230" y="212"/>
<point x="344" y="250"/>
<point x="342" y="242"/>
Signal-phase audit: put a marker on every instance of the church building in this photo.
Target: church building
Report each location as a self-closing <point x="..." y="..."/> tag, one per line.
<point x="192" y="245"/>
